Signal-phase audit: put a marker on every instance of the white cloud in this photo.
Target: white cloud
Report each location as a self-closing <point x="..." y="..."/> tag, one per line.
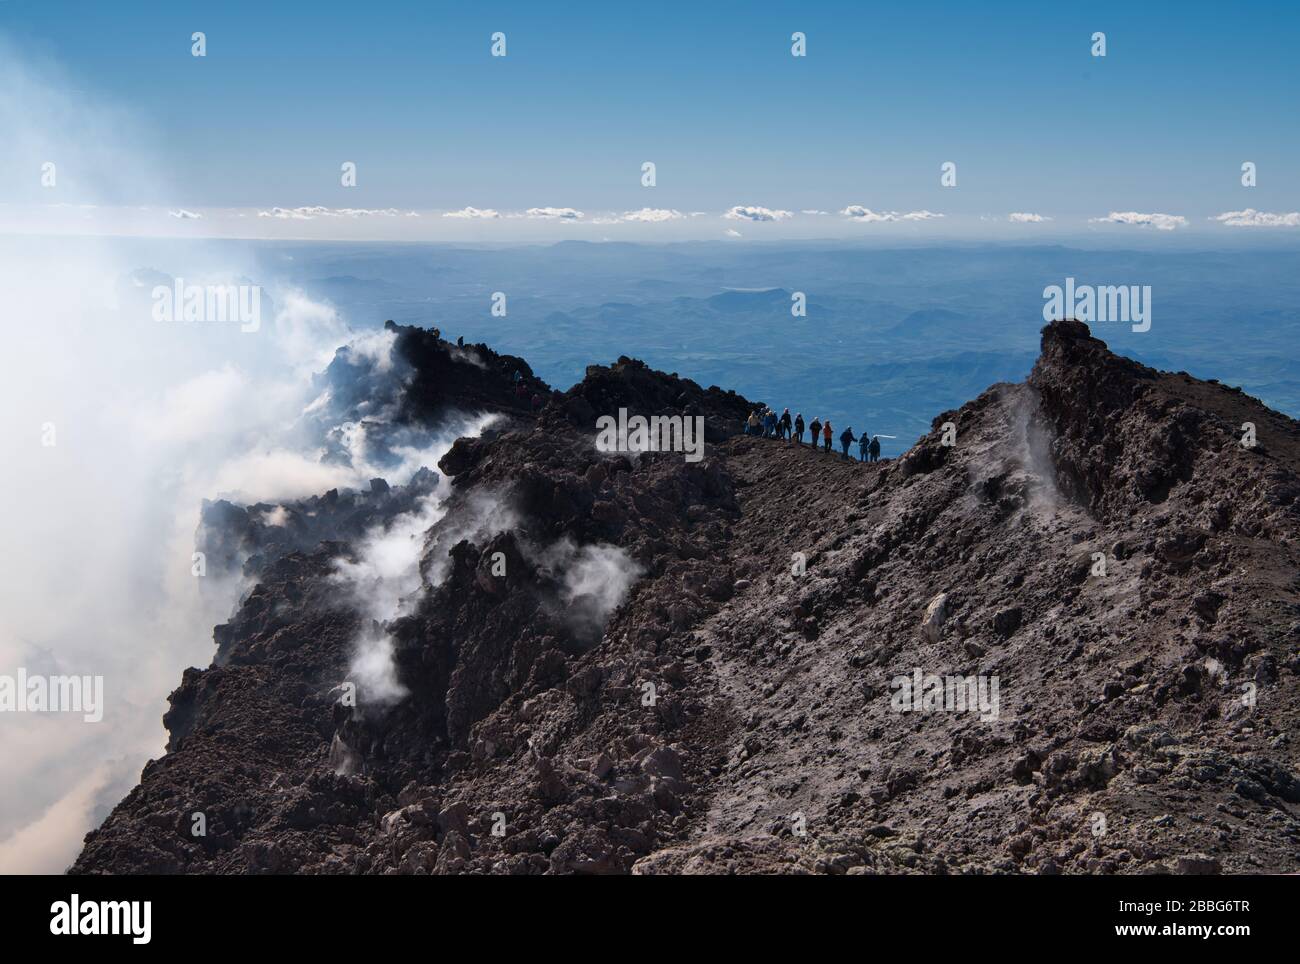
<point x="653" y="215"/>
<point x="474" y="213"/>
<point x="555" y="214"/>
<point x="1161" y="222"/>
<point x="743" y="212"/>
<point x="856" y="212"/>
<point x="733" y="233"/>
<point x="319" y="211"/>
<point x="1250" y="218"/>
<point x="300" y="214"/>
<point x="1024" y="217"/>
<point x="185" y="215"/>
<point x="645" y="216"/>
<point x="368" y="213"/>
<point x="813" y="211"/>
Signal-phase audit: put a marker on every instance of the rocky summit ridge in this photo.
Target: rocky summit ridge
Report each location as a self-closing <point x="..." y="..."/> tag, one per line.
<point x="631" y="663"/>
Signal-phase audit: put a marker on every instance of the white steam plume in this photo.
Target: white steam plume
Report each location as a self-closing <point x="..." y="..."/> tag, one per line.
<point x="595" y="580"/>
<point x="115" y="428"/>
<point x="384" y="575"/>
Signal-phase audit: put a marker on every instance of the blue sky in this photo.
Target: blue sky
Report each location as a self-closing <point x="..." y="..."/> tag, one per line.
<point x="709" y="92"/>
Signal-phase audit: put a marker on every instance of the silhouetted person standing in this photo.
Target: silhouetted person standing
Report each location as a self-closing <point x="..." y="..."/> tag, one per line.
<point x="816" y="427"/>
<point x="875" y="448"/>
<point x="798" y="428"/>
<point x="827" y="434"/>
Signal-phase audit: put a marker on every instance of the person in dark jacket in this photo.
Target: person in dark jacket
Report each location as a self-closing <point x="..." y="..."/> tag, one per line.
<point x="785" y="424"/>
<point x="846" y="439"/>
<point x="798" y="428"/>
<point x="816" y="427"/>
<point x="769" y="424"/>
<point x="864" y="443"/>
<point x="827" y="434"/>
<point x="875" y="448"/>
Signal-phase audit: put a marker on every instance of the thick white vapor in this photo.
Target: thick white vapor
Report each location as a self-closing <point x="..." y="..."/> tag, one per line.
<point x="595" y="579"/>
<point x="115" y="427"/>
<point x="384" y="575"/>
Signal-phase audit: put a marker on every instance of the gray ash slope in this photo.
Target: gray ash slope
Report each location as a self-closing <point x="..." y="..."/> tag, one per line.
<point x="1123" y="742"/>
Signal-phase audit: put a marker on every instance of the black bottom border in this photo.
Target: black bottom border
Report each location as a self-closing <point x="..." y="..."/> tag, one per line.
<point x="301" y="913"/>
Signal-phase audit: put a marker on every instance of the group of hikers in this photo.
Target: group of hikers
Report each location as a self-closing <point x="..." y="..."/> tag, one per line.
<point x="767" y="424"/>
<point x="521" y="391"/>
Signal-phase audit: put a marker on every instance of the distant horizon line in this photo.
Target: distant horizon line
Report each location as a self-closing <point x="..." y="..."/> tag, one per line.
<point x="1188" y="242"/>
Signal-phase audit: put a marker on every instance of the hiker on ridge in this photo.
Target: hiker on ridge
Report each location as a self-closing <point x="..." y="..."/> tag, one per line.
<point x="846" y="439"/>
<point x="875" y="448"/>
<point x="864" y="443"/>
<point x="785" y="425"/>
<point x="798" y="428"/>
<point x="816" y="427"/>
<point x="751" y="424"/>
<point x="827" y="434"/>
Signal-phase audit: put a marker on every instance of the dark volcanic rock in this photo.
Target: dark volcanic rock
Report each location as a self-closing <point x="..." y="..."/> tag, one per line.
<point x="1097" y="543"/>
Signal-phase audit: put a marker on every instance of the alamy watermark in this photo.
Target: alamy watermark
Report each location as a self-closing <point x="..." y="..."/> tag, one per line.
<point x="658" y="433"/>
<point x="182" y="302"/>
<point x="1122" y="303"/>
<point x="34" y="693"/>
<point x="929" y="693"/>
<point x="131" y="918"/>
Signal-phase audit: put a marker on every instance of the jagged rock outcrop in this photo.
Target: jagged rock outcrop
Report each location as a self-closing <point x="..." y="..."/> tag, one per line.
<point x="467" y="378"/>
<point x="633" y="663"/>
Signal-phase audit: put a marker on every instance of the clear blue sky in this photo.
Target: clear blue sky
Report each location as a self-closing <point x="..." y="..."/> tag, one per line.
<point x="708" y="91"/>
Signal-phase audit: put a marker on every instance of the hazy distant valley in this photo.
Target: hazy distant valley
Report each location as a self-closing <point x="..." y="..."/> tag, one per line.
<point x="891" y="338"/>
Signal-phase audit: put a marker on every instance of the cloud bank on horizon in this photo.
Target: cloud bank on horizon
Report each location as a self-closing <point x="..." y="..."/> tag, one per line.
<point x="647" y="224"/>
